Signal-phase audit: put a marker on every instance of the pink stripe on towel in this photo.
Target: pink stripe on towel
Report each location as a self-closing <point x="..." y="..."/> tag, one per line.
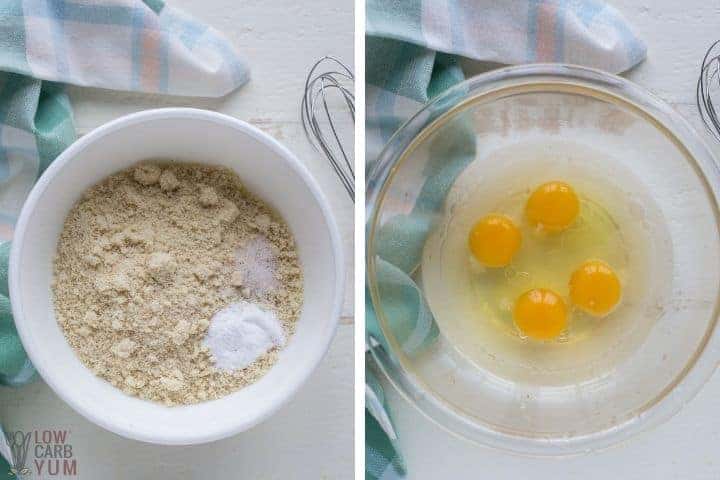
<point x="546" y="18"/>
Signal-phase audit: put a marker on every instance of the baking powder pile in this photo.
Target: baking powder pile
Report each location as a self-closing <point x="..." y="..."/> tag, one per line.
<point x="148" y="256"/>
<point x="240" y="333"/>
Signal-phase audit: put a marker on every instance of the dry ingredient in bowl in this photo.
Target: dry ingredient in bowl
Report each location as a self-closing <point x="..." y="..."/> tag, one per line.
<point x="240" y="333"/>
<point x="174" y="283"/>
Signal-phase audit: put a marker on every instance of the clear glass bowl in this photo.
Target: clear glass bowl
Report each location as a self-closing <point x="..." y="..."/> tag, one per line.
<point x="640" y="136"/>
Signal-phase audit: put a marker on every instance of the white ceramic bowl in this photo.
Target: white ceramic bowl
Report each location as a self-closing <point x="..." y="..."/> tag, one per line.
<point x="267" y="169"/>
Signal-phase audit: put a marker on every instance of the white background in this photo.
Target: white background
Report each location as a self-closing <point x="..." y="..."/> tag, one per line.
<point x="311" y="437"/>
<point x="677" y="33"/>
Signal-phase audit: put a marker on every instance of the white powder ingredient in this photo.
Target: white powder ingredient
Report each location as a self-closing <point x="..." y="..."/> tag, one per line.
<point x="240" y="333"/>
<point x="256" y="263"/>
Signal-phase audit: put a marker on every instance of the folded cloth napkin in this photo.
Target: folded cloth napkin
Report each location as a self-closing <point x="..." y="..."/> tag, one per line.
<point x="412" y="50"/>
<point x="130" y="45"/>
<point x="380" y="439"/>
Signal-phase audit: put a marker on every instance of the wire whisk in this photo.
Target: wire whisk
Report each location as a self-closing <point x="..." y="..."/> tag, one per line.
<point x="708" y="86"/>
<point x="329" y="76"/>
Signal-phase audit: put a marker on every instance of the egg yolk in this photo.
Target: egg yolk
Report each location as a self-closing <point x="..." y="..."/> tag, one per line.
<point x="494" y="240"/>
<point x="553" y="206"/>
<point x="595" y="288"/>
<point x="540" y="314"/>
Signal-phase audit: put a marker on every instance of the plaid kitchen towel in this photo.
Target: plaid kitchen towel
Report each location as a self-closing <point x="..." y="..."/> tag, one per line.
<point x="412" y="52"/>
<point x="129" y="45"/>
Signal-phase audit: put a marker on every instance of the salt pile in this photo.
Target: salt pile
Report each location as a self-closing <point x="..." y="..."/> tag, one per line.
<point x="240" y="333"/>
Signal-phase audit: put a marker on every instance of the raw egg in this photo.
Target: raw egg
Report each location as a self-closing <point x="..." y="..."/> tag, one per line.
<point x="553" y="206"/>
<point x="595" y="288"/>
<point x="494" y="240"/>
<point x="540" y="313"/>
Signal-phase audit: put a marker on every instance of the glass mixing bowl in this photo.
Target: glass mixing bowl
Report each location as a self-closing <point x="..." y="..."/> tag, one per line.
<point x="573" y="110"/>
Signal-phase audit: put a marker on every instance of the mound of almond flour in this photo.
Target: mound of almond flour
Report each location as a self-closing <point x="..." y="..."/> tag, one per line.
<point x="147" y="257"/>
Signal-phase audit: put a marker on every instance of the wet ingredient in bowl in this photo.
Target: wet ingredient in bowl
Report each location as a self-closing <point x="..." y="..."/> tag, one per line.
<point x="590" y="235"/>
<point x="147" y="258"/>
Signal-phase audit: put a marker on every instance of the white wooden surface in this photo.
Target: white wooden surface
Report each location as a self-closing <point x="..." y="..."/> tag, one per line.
<point x="677" y="35"/>
<point x="311" y="437"/>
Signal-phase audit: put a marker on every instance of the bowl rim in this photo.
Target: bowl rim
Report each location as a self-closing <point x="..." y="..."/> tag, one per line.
<point x="440" y="109"/>
<point x="191" y="436"/>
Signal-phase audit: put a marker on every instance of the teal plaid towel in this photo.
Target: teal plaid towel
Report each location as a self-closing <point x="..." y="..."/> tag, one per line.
<point x="381" y="451"/>
<point x="412" y="50"/>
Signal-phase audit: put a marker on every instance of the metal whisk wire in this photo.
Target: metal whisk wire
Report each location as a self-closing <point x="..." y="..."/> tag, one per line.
<point x="707" y="85"/>
<point x="318" y="120"/>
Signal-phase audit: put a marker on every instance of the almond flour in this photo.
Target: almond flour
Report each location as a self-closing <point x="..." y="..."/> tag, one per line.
<point x="144" y="261"/>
